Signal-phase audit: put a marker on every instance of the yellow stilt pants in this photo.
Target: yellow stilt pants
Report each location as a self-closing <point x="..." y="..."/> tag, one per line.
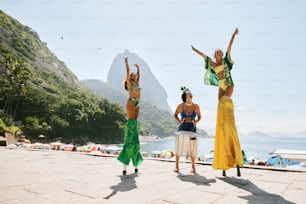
<point x="227" y="151"/>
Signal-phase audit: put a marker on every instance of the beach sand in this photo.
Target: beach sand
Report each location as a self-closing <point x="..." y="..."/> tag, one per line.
<point x="73" y="177"/>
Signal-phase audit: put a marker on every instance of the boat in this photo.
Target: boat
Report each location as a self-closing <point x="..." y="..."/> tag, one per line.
<point x="287" y="158"/>
<point x="294" y="155"/>
<point x="279" y="161"/>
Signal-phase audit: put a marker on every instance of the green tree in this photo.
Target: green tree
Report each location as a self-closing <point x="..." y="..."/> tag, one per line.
<point x="13" y="82"/>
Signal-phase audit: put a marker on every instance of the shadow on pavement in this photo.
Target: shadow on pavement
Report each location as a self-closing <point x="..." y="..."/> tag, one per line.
<point x="258" y="195"/>
<point x="196" y="179"/>
<point x="127" y="183"/>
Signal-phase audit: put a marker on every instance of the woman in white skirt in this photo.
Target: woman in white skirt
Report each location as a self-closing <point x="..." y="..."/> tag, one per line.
<point x="190" y="115"/>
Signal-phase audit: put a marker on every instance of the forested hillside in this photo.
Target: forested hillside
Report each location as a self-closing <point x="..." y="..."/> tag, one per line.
<point x="40" y="95"/>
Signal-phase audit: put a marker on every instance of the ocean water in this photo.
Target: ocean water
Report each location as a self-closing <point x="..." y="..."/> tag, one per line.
<point x="255" y="147"/>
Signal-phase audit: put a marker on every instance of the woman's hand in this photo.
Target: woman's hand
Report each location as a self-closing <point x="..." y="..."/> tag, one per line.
<point x="197" y="51"/>
<point x="126" y="59"/>
<point x="138" y="72"/>
<point x="194" y="123"/>
<point x="231" y="41"/>
<point x="236" y="31"/>
<point x="181" y="121"/>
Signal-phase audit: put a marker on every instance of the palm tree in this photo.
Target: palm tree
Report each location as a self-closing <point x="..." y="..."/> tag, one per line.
<point x="13" y="82"/>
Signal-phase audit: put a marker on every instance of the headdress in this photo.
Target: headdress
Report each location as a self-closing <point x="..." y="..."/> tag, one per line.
<point x="184" y="89"/>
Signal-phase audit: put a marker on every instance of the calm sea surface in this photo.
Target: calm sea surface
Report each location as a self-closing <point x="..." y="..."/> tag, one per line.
<point x="258" y="147"/>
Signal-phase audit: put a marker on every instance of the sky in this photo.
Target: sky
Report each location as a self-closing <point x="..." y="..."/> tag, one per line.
<point x="269" y="71"/>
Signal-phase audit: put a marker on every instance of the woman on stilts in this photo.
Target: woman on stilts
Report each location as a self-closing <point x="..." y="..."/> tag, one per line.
<point x="131" y="145"/>
<point x="227" y="151"/>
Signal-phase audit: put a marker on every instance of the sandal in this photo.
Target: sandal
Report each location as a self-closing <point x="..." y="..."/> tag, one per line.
<point x="176" y="170"/>
<point x="224" y="173"/>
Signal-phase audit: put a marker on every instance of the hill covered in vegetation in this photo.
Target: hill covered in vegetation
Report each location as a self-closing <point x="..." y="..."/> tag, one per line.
<point x="40" y="95"/>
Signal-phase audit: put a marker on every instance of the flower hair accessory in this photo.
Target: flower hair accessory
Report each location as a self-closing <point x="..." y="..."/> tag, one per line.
<point x="185" y="89"/>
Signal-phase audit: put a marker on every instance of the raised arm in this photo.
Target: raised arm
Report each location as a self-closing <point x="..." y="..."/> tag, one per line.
<point x="127" y="68"/>
<point x="198" y="52"/>
<point x="231" y="41"/>
<point x="138" y="73"/>
<point x="127" y="71"/>
<point x="211" y="62"/>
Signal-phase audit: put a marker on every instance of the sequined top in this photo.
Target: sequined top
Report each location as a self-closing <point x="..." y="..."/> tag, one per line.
<point x="134" y="87"/>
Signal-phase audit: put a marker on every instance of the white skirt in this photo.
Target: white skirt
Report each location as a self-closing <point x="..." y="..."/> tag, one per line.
<point x="186" y="144"/>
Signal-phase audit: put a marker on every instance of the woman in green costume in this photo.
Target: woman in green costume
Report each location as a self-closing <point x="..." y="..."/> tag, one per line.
<point x="131" y="145"/>
<point x="227" y="150"/>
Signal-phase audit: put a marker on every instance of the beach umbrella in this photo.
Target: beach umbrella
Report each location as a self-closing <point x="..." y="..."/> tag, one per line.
<point x="41" y="136"/>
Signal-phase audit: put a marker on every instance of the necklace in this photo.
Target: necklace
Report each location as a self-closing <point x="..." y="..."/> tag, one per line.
<point x="188" y="104"/>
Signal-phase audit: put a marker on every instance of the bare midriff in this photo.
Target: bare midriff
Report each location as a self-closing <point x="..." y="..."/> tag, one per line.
<point x="221" y="75"/>
<point x="135" y="94"/>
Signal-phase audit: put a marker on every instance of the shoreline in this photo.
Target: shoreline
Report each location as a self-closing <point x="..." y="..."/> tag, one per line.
<point x="100" y="154"/>
<point x="155" y="146"/>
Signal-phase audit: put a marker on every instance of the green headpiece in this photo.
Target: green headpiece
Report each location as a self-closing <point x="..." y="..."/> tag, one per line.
<point x="185" y="89"/>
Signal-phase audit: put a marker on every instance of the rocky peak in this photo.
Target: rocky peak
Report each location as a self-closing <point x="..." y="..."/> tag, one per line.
<point x="152" y="91"/>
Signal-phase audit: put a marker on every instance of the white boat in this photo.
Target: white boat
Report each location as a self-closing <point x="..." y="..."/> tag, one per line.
<point x="294" y="155"/>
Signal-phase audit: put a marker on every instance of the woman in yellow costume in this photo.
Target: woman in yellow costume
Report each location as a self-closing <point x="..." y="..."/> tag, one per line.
<point x="227" y="151"/>
<point x="131" y="145"/>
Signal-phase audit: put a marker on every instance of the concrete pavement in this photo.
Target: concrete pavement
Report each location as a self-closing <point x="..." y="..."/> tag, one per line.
<point x="72" y="177"/>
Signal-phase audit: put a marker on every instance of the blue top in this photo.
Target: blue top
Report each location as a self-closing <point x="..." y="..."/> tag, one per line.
<point x="191" y="116"/>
